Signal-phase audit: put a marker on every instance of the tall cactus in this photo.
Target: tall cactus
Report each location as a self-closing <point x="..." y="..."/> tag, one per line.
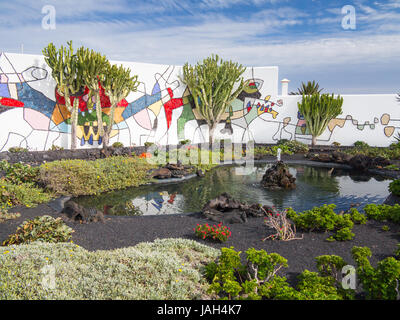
<point x="68" y="76"/>
<point x="318" y="110"/>
<point x="211" y="84"/>
<point x="94" y="68"/>
<point x="118" y="83"/>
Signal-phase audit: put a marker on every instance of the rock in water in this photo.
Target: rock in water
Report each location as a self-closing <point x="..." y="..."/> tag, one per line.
<point x="278" y="177"/>
<point x="77" y="213"/>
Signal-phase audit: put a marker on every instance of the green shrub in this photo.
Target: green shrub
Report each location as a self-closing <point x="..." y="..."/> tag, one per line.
<point x="258" y="279"/>
<point x="383" y="212"/>
<point x="17" y="149"/>
<point x="43" y="228"/>
<point x="357" y="217"/>
<point x="19" y="173"/>
<point x="392" y="167"/>
<point x="55" y="148"/>
<point x="81" y="177"/>
<point x="381" y="282"/>
<point x="361" y="144"/>
<point x="168" y="269"/>
<point x="117" y="145"/>
<point x="325" y="219"/>
<point x="148" y="144"/>
<point x="394" y="187"/>
<point x="183" y="142"/>
<point x="296" y="146"/>
<point x="385" y="228"/>
<point x="26" y="194"/>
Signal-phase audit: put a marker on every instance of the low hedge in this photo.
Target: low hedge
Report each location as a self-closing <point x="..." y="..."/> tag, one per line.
<point x="82" y="177"/>
<point x="169" y="269"/>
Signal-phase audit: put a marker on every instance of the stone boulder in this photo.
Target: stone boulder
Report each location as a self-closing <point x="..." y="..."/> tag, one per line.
<point x="278" y="177"/>
<point x="361" y="162"/>
<point x="78" y="213"/>
<point x="226" y="209"/>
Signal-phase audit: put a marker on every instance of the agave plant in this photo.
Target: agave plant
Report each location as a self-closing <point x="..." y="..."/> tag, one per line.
<point x="308" y="89"/>
<point x="318" y="110"/>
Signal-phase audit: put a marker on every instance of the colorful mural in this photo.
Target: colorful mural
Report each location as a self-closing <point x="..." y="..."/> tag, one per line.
<point x="34" y="116"/>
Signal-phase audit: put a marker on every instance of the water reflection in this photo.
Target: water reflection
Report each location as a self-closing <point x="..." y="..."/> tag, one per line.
<point x="315" y="187"/>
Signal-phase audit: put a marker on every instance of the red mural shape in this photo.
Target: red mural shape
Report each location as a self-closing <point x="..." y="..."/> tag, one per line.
<point x="171" y="105"/>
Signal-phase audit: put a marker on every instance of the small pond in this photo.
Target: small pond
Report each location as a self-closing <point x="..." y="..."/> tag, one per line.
<point x="315" y="186"/>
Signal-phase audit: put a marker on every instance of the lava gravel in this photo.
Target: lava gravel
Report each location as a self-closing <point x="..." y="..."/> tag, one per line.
<point x="119" y="232"/>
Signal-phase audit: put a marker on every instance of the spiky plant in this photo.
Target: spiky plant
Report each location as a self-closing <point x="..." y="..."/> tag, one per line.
<point x="68" y="75"/>
<point x="211" y="83"/>
<point x="318" y="110"/>
<point x="308" y="89"/>
<point x="118" y="83"/>
<point x="94" y="68"/>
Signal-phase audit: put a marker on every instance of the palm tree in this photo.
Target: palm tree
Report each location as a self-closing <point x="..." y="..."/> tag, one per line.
<point x="307" y="89"/>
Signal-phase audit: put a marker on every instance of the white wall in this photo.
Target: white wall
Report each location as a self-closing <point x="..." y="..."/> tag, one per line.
<point x="160" y="111"/>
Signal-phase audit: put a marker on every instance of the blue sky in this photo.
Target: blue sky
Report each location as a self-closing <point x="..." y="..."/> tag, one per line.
<point x="305" y="38"/>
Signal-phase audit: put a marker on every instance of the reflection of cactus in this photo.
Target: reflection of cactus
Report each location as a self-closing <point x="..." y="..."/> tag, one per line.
<point x="67" y="72"/>
<point x="211" y="85"/>
<point x="118" y="83"/>
<point x="318" y="110"/>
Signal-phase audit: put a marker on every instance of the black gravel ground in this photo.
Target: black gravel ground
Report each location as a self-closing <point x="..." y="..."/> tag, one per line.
<point x="119" y="232"/>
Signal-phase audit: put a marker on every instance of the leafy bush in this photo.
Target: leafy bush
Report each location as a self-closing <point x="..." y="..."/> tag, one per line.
<point x="148" y="144"/>
<point x="43" y="228"/>
<point x="381" y="282"/>
<point x="55" y="148"/>
<point x="383" y="212"/>
<point x="394" y="187"/>
<point x="361" y="144"/>
<point x="80" y="177"/>
<point x="19" y="173"/>
<point x="183" y="142"/>
<point x="296" y="146"/>
<point x="117" y="145"/>
<point x="325" y="219"/>
<point x="26" y="194"/>
<point x="215" y="232"/>
<point x="357" y="217"/>
<point x="17" y="149"/>
<point x="168" y="269"/>
<point x="258" y="279"/>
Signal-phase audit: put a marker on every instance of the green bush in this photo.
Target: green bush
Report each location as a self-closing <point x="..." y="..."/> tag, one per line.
<point x="43" y="228"/>
<point x="183" y="142"/>
<point x="325" y="219"/>
<point x="55" y="148"/>
<point x="19" y="173"/>
<point x="117" y="145"/>
<point x="26" y="194"/>
<point x="81" y="177"/>
<point x="17" y="149"/>
<point x="258" y="279"/>
<point x="361" y="144"/>
<point x="381" y="282"/>
<point x="383" y="212"/>
<point x="394" y="187"/>
<point x="168" y="269"/>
